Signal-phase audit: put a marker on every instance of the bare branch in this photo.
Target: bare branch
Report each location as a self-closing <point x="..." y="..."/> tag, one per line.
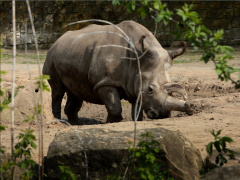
<point x="102" y="32"/>
<point x="115" y="45"/>
<point x="41" y="163"/>
<point x="136" y="58"/>
<point x="13" y="75"/>
<point x="103" y="21"/>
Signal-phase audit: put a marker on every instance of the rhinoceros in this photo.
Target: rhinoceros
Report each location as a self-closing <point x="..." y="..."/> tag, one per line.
<point x="91" y="65"/>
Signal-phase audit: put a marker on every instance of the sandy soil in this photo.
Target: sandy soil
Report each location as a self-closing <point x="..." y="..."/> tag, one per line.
<point x="218" y="104"/>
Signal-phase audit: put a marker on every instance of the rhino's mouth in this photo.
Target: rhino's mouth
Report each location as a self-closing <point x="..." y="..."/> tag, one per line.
<point x="154" y="114"/>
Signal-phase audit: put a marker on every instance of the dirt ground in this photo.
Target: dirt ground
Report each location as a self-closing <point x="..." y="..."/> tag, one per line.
<point x="218" y="104"/>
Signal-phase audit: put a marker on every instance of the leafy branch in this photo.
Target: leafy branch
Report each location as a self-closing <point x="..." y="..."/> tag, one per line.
<point x="144" y="161"/>
<point x="155" y="9"/>
<point x="41" y="82"/>
<point x="2" y="151"/>
<point x="220" y="144"/>
<point x="66" y="173"/>
<point x="23" y="150"/>
<point x="22" y="157"/>
<point x="190" y="28"/>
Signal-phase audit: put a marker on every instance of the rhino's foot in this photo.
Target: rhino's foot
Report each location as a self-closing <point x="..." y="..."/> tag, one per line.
<point x="73" y="119"/>
<point x="57" y="114"/>
<point x="114" y="119"/>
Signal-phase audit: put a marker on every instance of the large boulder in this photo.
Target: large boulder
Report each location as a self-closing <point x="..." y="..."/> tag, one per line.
<point x="107" y="152"/>
<point x="223" y="173"/>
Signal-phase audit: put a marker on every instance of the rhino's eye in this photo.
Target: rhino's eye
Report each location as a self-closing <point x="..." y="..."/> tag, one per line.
<point x="150" y="90"/>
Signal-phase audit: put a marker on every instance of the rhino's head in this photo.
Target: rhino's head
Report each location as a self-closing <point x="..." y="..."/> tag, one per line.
<point x="157" y="88"/>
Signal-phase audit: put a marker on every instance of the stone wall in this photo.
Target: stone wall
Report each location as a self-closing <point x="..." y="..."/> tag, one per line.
<point x="49" y="16"/>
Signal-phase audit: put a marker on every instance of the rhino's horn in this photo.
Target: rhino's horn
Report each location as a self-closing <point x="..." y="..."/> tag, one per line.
<point x="174" y="104"/>
<point x="179" y="51"/>
<point x="174" y="87"/>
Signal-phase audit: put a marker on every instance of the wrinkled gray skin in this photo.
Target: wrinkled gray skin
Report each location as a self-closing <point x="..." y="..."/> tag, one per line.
<point x="101" y="75"/>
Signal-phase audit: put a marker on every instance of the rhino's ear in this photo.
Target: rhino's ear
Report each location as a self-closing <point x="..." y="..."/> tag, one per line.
<point x="178" y="52"/>
<point x="141" y="42"/>
<point x="145" y="48"/>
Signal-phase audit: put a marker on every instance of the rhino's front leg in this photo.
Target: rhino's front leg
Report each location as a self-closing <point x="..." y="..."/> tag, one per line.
<point x="111" y="98"/>
<point x="140" y="117"/>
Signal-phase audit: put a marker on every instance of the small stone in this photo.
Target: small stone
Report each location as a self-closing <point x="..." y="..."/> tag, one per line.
<point x="114" y="165"/>
<point x="49" y="126"/>
<point x="211" y="118"/>
<point x="197" y="89"/>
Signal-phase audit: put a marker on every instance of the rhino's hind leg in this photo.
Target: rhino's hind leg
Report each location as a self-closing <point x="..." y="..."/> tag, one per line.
<point x="111" y="98"/>
<point x="58" y="90"/>
<point x="72" y="107"/>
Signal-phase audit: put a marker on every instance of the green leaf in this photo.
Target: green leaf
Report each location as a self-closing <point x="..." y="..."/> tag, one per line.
<point x="182" y="14"/>
<point x="156" y="150"/>
<point x="33" y="145"/>
<point x="115" y="2"/>
<point x="150" y="177"/>
<point x="133" y="5"/>
<point x="151" y="158"/>
<point x="38" y="109"/>
<point x="156" y="5"/>
<point x="41" y="82"/>
<point x="159" y="17"/>
<point x="143" y="14"/>
<point x="223" y="160"/>
<point x="219" y="72"/>
<point x="227" y="139"/>
<point x="2" y="128"/>
<point x="3" y="107"/>
<point x="130" y="7"/>
<point x="209" y="148"/>
<point x="3" y="72"/>
<point x="1" y="93"/>
<point x="217" y="146"/>
<point x="137" y="154"/>
<point x="219" y="132"/>
<point x="219" y="35"/>
<point x="223" y="144"/>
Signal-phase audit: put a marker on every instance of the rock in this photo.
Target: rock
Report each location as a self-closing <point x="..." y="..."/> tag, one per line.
<point x="107" y="152"/>
<point x="223" y="173"/>
<point x="197" y="88"/>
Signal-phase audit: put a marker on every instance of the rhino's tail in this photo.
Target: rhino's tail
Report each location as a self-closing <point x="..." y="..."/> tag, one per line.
<point x="48" y="65"/>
